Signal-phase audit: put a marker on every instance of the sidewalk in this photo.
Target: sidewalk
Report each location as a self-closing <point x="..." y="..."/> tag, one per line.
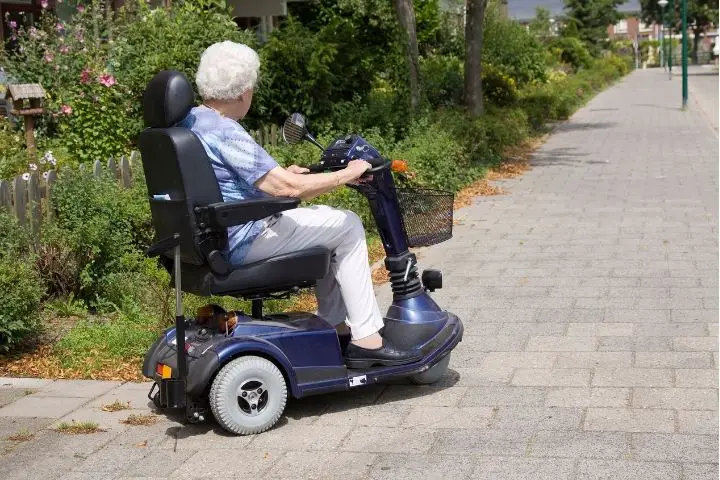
<point x="590" y="301"/>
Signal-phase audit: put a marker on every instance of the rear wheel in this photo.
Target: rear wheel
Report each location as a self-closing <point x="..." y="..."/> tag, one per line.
<point x="248" y="395"/>
<point x="432" y="374"/>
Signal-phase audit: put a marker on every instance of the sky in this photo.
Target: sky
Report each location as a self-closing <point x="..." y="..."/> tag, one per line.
<point x="525" y="9"/>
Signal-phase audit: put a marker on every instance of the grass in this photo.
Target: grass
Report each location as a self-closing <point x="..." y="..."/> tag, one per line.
<point x="21" y="436"/>
<point x="141" y="420"/>
<point x="116" y="406"/>
<point x="78" y="428"/>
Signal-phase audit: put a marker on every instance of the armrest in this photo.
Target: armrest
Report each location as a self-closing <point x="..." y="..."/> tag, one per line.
<point x="227" y="214"/>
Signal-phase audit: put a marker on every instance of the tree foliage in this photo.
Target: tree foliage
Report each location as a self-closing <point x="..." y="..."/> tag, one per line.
<point x="591" y="18"/>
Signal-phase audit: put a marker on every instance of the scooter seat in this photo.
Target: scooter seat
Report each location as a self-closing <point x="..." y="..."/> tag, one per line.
<point x="276" y="274"/>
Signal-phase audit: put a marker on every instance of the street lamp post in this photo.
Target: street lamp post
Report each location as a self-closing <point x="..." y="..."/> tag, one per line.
<point x="663" y="4"/>
<point x="670" y="24"/>
<point x="684" y="55"/>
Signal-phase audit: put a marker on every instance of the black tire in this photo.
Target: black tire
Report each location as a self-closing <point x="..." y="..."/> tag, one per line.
<point x="248" y="395"/>
<point x="432" y="374"/>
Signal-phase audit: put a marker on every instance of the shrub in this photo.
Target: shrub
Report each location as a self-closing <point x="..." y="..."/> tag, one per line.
<point x="508" y="45"/>
<point x="442" y="79"/>
<point x="21" y="289"/>
<point x="572" y="51"/>
<point x="498" y="86"/>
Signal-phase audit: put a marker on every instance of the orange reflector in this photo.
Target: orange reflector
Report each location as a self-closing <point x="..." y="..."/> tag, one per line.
<point x="399" y="166"/>
<point x="163" y="370"/>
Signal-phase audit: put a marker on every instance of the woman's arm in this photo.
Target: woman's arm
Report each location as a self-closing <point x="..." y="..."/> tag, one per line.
<point x="282" y="183"/>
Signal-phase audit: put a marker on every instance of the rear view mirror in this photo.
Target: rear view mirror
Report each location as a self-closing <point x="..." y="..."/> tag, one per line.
<point x="294" y="130"/>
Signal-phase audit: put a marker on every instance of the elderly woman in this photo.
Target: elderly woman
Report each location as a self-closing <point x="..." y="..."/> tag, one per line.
<point x="225" y="79"/>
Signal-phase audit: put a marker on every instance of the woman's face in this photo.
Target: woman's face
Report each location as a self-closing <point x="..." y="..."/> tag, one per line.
<point x="244" y="102"/>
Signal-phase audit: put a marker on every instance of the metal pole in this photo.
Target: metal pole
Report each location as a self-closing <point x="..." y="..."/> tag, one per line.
<point x="684" y="55"/>
<point x="670" y="22"/>
<point x="662" y="37"/>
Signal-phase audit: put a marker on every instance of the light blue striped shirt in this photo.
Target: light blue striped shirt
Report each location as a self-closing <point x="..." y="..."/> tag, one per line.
<point x="238" y="162"/>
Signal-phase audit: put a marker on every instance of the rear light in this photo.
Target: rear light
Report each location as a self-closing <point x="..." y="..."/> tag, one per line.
<point x="163" y="370"/>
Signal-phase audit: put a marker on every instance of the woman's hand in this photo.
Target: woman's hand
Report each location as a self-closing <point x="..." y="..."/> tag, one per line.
<point x="356" y="169"/>
<point x="297" y="169"/>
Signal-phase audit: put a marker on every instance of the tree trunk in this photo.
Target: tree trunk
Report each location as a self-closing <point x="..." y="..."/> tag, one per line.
<point x="696" y="43"/>
<point x="475" y="12"/>
<point x="406" y="16"/>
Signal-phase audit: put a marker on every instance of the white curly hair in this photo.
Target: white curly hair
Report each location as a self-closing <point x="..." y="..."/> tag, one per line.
<point x="227" y="70"/>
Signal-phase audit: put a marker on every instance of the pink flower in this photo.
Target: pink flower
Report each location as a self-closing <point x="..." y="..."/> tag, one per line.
<point x="64" y="49"/>
<point x="43" y="4"/>
<point x="33" y="33"/>
<point x="12" y="24"/>
<point x="80" y="8"/>
<point x="66" y="109"/>
<point x="107" y="80"/>
<point x="59" y="27"/>
<point x="49" y="57"/>
<point x="85" y="76"/>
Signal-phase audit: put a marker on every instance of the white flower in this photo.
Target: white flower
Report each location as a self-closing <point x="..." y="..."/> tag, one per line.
<point x="33" y="167"/>
<point x="46" y="175"/>
<point x="26" y="176"/>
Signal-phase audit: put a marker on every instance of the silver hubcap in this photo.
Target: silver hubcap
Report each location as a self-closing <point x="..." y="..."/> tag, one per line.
<point x="252" y="397"/>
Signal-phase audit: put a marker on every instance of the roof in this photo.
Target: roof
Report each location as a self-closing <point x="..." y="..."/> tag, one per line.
<point x="25" y="90"/>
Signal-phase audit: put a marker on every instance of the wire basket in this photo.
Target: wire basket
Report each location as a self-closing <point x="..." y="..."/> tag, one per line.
<point x="427" y="215"/>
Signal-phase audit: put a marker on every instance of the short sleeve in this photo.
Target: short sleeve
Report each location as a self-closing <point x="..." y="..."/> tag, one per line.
<point x="239" y="152"/>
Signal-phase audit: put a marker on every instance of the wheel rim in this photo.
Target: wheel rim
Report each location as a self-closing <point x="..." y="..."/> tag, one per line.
<point x="252" y="397"/>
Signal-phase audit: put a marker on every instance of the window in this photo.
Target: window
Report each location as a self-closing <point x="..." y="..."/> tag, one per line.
<point x="621" y="26"/>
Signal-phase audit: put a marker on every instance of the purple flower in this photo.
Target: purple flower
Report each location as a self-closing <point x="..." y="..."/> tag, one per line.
<point x="80" y="8"/>
<point x="43" y="4"/>
<point x="12" y="24"/>
<point x="64" y="49"/>
<point x="49" y="57"/>
<point x="59" y="27"/>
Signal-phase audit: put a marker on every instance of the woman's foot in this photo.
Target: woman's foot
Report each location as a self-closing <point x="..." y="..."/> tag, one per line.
<point x="357" y="356"/>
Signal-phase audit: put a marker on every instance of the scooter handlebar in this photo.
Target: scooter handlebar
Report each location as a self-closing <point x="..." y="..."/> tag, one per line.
<point x="320" y="168"/>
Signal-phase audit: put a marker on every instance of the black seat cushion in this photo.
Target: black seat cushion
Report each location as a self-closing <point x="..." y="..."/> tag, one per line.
<point x="283" y="272"/>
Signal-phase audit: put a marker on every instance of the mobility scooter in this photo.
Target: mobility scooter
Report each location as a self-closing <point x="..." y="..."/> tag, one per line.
<point x="242" y="367"/>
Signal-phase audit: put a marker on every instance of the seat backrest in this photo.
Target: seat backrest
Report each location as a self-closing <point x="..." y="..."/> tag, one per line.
<point x="178" y="172"/>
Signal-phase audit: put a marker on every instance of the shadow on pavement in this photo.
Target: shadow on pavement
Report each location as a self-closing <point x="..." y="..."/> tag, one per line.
<point x="575" y="126"/>
<point x="558" y="156"/>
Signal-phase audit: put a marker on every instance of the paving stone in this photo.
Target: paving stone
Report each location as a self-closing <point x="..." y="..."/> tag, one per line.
<point x="694" y="377"/>
<point x="700" y="471"/>
<point x="561" y="344"/>
<point x="77" y="388"/>
<point x="574" y="444"/>
<point x="548" y="315"/>
<point x="112" y="459"/>
<point x="322" y="465"/>
<point x="422" y="395"/>
<point x="9" y="395"/>
<point x="536" y="418"/>
<point x="695" y="344"/>
<point x="613" y="315"/>
<point x="519" y="360"/>
<point x="10" y="425"/>
<point x="24" y="383"/>
<point x="634" y="344"/>
<point x="588" y="397"/>
<point x="68" y="444"/>
<point x="632" y="377"/>
<point x="503" y="395"/>
<point x="555" y="377"/>
<point x="629" y="420"/>
<point x="673" y="360"/>
<point x="512" y="468"/>
<point x="674" y="448"/>
<point x="698" y="421"/>
<point x="525" y="329"/>
<point x="311" y="437"/>
<point x="389" y="415"/>
<point x="694" y="316"/>
<point x="600" y="329"/>
<point x="448" y="417"/>
<point x="670" y="330"/>
<point x="32" y="466"/>
<point x="594" y="359"/>
<point x="227" y="463"/>
<point x="625" y="470"/>
<point x="135" y="393"/>
<point x="481" y="441"/>
<point x="36" y="406"/>
<point x="428" y="466"/>
<point x="678" y="398"/>
<point x="388" y="440"/>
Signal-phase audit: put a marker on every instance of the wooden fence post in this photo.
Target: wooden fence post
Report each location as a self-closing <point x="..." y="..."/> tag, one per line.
<point x="97" y="169"/>
<point x="5" y="195"/>
<point x="135" y="159"/>
<point x="125" y="172"/>
<point x="33" y="189"/>
<point x="19" y="193"/>
<point x="273" y="135"/>
<point x="49" y="184"/>
<point x="112" y="166"/>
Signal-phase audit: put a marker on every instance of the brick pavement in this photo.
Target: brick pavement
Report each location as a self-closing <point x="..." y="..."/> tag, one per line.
<point x="590" y="299"/>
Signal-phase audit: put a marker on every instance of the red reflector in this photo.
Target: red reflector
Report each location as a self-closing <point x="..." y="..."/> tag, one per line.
<point x="159" y="368"/>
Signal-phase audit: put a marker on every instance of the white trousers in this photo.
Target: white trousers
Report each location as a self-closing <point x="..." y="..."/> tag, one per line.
<point x="346" y="293"/>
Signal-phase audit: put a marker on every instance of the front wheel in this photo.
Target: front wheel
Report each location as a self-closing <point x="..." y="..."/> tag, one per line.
<point x="432" y="374"/>
<point x="248" y="395"/>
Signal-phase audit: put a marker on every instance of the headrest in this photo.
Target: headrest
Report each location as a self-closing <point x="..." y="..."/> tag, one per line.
<point x="168" y="99"/>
